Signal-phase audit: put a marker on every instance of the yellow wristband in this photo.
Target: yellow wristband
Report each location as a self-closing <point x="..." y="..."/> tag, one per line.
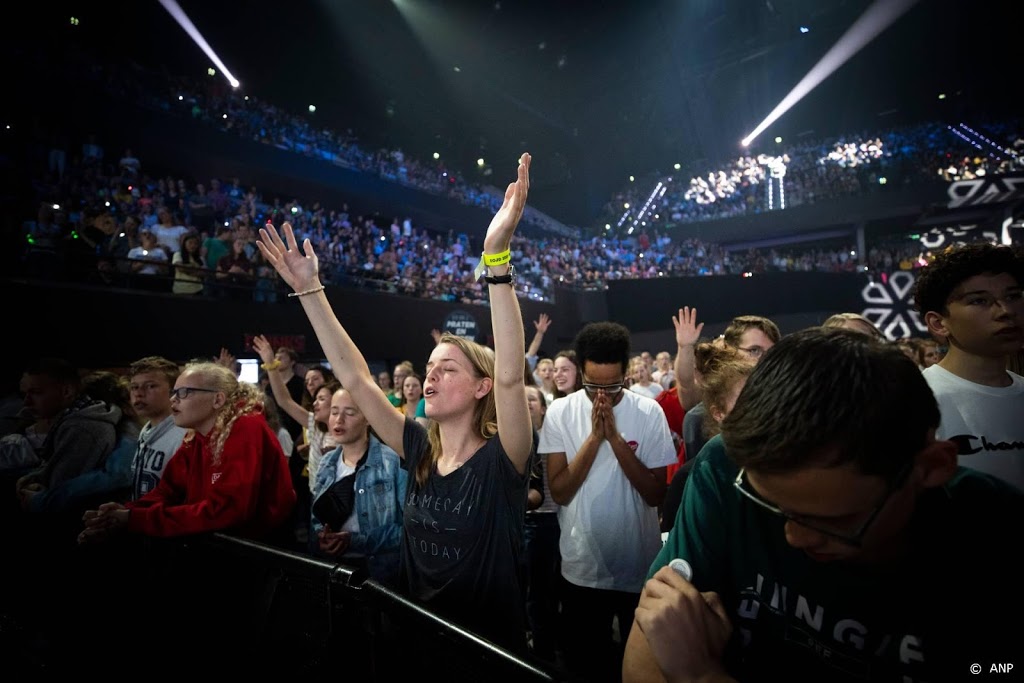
<point x="491" y="260"/>
<point x="272" y="366"/>
<point x="497" y="259"/>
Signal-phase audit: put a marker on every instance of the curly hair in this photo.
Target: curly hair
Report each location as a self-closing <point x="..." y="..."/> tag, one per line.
<point x="242" y="398"/>
<point x="719" y="368"/>
<point x="940" y="278"/>
<point x="603" y="342"/>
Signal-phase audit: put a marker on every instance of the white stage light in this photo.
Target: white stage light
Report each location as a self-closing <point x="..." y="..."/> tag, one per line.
<point x="878" y="17"/>
<point x="179" y="15"/>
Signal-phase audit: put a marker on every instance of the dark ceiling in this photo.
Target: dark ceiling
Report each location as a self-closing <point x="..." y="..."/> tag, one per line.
<point x="596" y="91"/>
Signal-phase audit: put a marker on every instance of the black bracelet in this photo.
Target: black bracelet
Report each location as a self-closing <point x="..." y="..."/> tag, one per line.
<point x="508" y="278"/>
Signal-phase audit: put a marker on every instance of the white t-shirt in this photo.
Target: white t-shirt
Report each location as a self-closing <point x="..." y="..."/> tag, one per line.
<point x="650" y="391"/>
<point x="352" y="523"/>
<point x="986" y="423"/>
<point x="140" y="254"/>
<point x="286" y="441"/>
<point x="609" y="534"/>
<point x="169" y="236"/>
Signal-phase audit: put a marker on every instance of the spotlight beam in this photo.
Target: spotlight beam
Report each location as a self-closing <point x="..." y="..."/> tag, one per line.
<point x="878" y="17"/>
<point x="174" y="9"/>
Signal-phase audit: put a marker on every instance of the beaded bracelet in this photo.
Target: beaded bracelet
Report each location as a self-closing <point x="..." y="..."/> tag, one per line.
<point x="308" y="291"/>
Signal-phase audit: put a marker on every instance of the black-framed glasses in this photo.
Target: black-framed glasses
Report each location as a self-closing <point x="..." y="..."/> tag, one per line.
<point x="854" y="539"/>
<point x="182" y="393"/>
<point x="610" y="389"/>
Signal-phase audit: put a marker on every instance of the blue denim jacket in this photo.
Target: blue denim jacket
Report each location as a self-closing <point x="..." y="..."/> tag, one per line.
<point x="380" y="493"/>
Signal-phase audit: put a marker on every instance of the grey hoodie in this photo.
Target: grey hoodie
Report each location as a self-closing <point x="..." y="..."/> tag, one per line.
<point x="80" y="441"/>
<point x="157" y="444"/>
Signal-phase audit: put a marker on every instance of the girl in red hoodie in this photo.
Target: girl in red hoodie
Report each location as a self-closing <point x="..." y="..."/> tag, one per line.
<point x="228" y="475"/>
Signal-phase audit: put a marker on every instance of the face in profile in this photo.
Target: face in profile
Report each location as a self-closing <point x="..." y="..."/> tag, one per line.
<point x="195" y="402"/>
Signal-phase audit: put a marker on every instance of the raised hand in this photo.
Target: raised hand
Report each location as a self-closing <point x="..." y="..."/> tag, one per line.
<point x="298" y="268"/>
<point x="687" y="329"/>
<point x="503" y="225"/>
<point x="542" y="323"/>
<point x="263" y="348"/>
<point x="225" y="359"/>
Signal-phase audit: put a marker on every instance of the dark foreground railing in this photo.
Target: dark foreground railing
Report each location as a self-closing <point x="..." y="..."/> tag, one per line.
<point x="217" y="603"/>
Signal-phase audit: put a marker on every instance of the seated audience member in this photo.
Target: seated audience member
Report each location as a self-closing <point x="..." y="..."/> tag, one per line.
<point x="358" y="495"/>
<point x="971" y="297"/>
<point x="228" y="475"/>
<point x="812" y="544"/>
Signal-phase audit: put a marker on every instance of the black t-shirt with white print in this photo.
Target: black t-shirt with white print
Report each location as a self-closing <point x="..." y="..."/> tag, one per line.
<point x="463" y="540"/>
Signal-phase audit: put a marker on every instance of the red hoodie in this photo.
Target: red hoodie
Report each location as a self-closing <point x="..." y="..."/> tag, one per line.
<point x="674" y="413"/>
<point x="249" y="492"/>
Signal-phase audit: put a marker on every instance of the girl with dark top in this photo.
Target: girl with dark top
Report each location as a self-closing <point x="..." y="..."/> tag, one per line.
<point x="466" y="499"/>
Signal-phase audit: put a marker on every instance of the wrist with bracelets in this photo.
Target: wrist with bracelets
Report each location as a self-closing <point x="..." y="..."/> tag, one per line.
<point x="312" y="290"/>
<point x="499" y="259"/>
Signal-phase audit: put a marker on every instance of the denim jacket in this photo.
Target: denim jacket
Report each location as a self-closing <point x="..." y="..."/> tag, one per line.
<point x="380" y="494"/>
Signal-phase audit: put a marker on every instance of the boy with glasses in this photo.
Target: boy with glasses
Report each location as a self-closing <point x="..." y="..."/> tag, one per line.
<point x="607" y="449"/>
<point x="831" y="536"/>
<point x="971" y="297"/>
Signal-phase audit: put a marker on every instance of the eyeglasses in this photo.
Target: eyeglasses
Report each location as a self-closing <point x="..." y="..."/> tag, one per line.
<point x="854" y="539"/>
<point x="753" y="351"/>
<point x="610" y="389"/>
<point x="182" y="393"/>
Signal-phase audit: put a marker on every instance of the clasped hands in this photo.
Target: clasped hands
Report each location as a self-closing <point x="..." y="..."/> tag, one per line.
<point x="100" y="523"/>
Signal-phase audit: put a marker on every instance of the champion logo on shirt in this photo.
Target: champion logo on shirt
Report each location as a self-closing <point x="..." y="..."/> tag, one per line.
<point x="214" y="477"/>
<point x="968" y="444"/>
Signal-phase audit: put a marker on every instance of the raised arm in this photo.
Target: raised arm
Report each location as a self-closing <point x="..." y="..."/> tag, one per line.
<point x="300" y="270"/>
<point x="542" y="324"/>
<point x="514" y="427"/>
<point x="687" y="334"/>
<point x="277" y="384"/>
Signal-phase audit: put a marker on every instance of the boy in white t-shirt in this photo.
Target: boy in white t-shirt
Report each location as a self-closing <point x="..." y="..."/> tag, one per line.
<point x="607" y="449"/>
<point x="970" y="296"/>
